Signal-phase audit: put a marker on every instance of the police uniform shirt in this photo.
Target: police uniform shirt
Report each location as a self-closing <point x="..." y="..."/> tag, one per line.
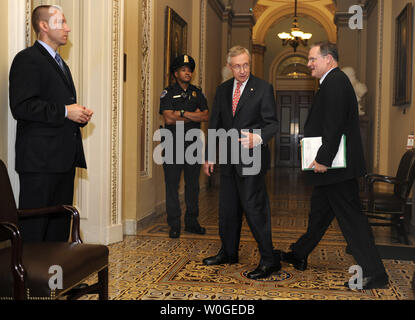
<point x="175" y="98"/>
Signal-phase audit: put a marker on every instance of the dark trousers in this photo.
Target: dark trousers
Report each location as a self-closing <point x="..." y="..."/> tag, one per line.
<point x="172" y="175"/>
<point x="342" y="201"/>
<point x="245" y="194"/>
<point x="39" y="190"/>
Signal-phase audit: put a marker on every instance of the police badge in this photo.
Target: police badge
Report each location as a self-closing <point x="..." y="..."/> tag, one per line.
<point x="163" y="94"/>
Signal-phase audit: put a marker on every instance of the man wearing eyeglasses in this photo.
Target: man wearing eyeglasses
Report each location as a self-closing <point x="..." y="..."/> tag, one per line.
<point x="336" y="192"/>
<point x="244" y="103"/>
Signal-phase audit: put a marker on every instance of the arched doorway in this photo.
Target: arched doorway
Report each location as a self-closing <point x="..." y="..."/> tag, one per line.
<point x="294" y="93"/>
<point x="287" y="70"/>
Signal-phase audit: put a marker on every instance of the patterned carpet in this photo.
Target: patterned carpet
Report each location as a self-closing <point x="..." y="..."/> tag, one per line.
<point x="151" y="266"/>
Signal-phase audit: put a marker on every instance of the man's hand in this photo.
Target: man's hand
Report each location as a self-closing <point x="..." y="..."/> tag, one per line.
<point x="78" y="113"/>
<point x="251" y="140"/>
<point x="208" y="168"/>
<point x="318" y="168"/>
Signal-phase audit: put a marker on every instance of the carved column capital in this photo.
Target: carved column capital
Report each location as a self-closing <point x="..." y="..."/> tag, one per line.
<point x="258" y="49"/>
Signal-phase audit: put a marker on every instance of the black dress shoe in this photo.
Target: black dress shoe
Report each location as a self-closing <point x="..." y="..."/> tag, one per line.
<point x="195" y="229"/>
<point x="289" y="257"/>
<point x="263" y="271"/>
<point x="373" y="282"/>
<point x="174" y="233"/>
<point x="220" y="258"/>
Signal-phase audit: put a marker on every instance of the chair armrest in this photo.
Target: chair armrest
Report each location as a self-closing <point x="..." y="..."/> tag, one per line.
<point x="33" y="213"/>
<point x="58" y="210"/>
<point x="372" y="178"/>
<point x="8" y="231"/>
<point x="12" y="232"/>
<point x="370" y="175"/>
<point x="76" y="230"/>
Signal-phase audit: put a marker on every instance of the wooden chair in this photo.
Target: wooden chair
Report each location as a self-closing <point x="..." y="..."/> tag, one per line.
<point x="393" y="207"/>
<point x="25" y="269"/>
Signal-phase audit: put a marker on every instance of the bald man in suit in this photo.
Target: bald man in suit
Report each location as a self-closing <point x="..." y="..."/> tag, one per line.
<point x="48" y="138"/>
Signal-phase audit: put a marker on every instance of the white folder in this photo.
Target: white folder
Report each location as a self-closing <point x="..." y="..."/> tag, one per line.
<point x="310" y="147"/>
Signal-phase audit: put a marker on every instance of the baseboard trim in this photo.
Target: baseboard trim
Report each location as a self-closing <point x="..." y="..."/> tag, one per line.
<point x="148" y="221"/>
<point x="132" y="227"/>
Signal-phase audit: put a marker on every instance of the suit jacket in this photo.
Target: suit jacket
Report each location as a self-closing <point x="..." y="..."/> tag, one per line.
<point x="46" y="141"/>
<point x="334" y="112"/>
<point x="256" y="110"/>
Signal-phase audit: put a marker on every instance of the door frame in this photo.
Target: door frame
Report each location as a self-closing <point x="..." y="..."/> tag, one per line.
<point x="295" y="132"/>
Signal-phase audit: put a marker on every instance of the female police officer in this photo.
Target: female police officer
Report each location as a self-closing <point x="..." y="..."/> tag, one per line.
<point x="182" y="104"/>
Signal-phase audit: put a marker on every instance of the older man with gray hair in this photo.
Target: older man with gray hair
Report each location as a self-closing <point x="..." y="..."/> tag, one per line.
<point x="246" y="104"/>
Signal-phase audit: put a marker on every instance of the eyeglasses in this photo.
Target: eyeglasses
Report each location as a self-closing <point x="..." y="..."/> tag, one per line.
<point x="238" y="67"/>
<point x="312" y="59"/>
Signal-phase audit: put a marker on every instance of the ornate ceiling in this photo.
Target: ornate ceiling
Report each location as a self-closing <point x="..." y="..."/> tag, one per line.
<point x="263" y="5"/>
<point x="268" y="12"/>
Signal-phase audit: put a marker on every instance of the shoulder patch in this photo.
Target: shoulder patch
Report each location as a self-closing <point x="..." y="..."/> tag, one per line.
<point x="163" y="94"/>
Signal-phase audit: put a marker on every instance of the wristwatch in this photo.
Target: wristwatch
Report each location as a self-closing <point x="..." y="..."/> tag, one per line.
<point x="182" y="113"/>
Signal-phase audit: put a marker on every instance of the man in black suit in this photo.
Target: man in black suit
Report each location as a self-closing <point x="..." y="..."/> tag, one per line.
<point x="244" y="104"/>
<point x="336" y="191"/>
<point x="48" y="138"/>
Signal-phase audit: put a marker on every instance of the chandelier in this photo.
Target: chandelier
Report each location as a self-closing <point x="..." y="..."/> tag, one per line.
<point x="296" y="36"/>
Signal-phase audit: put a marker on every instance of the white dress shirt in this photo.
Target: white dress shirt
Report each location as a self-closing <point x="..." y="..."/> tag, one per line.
<point x="241" y="89"/>
<point x="325" y="75"/>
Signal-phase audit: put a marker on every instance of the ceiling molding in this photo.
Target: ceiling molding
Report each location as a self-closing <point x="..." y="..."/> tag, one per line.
<point x="277" y="13"/>
<point x="217" y="7"/>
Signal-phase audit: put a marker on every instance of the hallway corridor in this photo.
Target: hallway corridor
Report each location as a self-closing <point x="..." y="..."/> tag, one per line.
<point x="151" y="266"/>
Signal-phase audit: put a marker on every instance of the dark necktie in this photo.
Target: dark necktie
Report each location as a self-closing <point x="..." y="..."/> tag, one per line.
<point x="60" y="63"/>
